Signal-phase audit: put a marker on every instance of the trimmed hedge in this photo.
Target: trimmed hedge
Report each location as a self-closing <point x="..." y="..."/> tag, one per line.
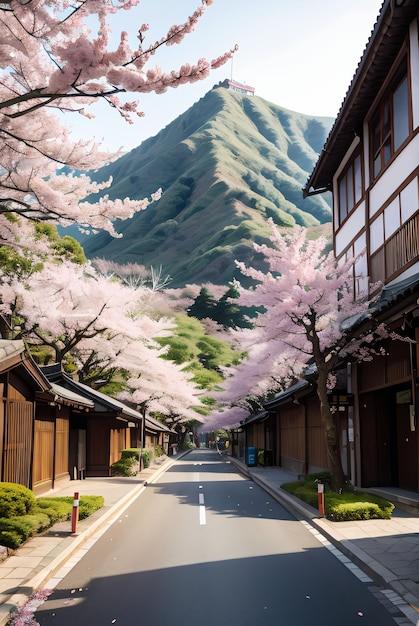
<point x="15" y="499"/>
<point x="127" y="464"/>
<point x="23" y="515"/>
<point x="347" y="506"/>
<point x="61" y="507"/>
<point x="356" y="506"/>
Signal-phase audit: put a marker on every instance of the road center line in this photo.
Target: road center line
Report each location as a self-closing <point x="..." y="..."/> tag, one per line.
<point x="202" y="516"/>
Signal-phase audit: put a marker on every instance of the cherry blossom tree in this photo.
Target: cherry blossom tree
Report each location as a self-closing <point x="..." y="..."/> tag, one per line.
<point x="62" y="304"/>
<point x="307" y="296"/>
<point x="51" y="64"/>
<point x="101" y="328"/>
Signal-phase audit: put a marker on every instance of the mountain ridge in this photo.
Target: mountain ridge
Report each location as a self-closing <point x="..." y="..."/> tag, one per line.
<point x="225" y="165"/>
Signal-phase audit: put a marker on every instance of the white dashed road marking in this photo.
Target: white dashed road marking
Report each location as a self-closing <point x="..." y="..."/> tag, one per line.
<point x="202" y="516"/>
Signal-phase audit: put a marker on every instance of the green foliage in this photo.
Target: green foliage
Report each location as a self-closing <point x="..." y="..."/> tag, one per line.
<point x="39" y="521"/>
<point x="204" y="354"/>
<point x="14" y="531"/>
<point x="89" y="505"/>
<point x="340" y="507"/>
<point x="147" y="455"/>
<point x="15" y="499"/>
<point x="129" y="453"/>
<point x="225" y="165"/>
<point x="158" y="452"/>
<point x="204" y="305"/>
<point x="362" y="508"/>
<point x="69" y="248"/>
<point x="64" y="247"/>
<point x="56" y="509"/>
<point x="23" y="515"/>
<point x="12" y="263"/>
<point x="63" y="506"/>
<point x="127" y="465"/>
<point x="224" y="311"/>
<point x="356" y="506"/>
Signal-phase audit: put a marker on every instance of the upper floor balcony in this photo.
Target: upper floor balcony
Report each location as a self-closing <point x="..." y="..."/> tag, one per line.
<point x="397" y="254"/>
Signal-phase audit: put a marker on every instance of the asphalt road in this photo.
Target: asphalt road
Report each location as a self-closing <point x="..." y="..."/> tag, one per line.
<point x="204" y="546"/>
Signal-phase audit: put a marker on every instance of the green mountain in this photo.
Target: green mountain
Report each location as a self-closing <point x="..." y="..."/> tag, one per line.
<point x="225" y="165"/>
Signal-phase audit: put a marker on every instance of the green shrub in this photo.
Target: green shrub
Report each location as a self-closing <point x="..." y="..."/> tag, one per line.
<point x="187" y="445"/>
<point x="158" y="451"/>
<point x="125" y="467"/>
<point x="45" y="512"/>
<point x="60" y="508"/>
<point x="127" y="464"/>
<point x="130" y="453"/>
<point x="56" y="509"/>
<point x="14" y="531"/>
<point x="38" y="521"/>
<point x="340" y="507"/>
<point x="357" y="506"/>
<point x="90" y="504"/>
<point x="146" y="456"/>
<point x="15" y="499"/>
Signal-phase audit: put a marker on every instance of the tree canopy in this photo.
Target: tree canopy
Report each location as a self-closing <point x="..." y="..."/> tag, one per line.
<point x="306" y="296"/>
<point x="50" y="64"/>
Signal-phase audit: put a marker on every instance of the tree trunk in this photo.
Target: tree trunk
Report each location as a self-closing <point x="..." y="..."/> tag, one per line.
<point x="329" y="424"/>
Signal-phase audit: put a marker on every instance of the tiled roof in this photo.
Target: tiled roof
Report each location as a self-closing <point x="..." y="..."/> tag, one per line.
<point x="9" y="348"/>
<point x="380" y="53"/>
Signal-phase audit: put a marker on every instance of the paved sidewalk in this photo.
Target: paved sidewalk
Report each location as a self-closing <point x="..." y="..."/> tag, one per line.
<point x="386" y="550"/>
<point x="32" y="565"/>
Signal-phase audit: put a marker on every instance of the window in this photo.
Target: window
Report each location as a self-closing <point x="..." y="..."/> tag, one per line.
<point x="390" y="124"/>
<point x="351" y="188"/>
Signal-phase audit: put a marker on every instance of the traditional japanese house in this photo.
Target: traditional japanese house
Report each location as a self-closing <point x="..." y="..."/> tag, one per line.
<point x="370" y="164"/>
<point x="34" y="422"/>
<point x="97" y="437"/>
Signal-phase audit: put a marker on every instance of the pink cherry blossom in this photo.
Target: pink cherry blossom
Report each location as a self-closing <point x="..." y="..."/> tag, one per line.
<point x="52" y="63"/>
<point x="307" y="296"/>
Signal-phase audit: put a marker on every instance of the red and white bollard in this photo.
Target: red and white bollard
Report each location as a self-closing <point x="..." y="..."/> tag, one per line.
<point x="75" y="513"/>
<point x="320" y="497"/>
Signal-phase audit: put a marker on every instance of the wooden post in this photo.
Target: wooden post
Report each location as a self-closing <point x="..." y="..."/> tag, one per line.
<point x="320" y="497"/>
<point x="75" y="513"/>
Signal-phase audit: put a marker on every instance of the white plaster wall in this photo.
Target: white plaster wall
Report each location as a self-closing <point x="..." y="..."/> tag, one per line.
<point x="394" y="176"/>
<point x="350" y="229"/>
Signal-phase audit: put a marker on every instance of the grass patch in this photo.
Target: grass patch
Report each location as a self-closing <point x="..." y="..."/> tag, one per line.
<point x="22" y="515"/>
<point x="340" y="507"/>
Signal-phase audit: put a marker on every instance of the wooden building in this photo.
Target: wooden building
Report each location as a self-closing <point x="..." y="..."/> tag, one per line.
<point x="34" y="422"/>
<point x="97" y="437"/>
<point x="370" y="164"/>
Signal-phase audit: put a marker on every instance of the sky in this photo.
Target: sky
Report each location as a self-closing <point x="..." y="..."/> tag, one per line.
<point x="298" y="54"/>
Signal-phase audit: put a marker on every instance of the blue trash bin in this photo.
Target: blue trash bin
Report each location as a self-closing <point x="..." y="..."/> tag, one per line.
<point x="250" y="455"/>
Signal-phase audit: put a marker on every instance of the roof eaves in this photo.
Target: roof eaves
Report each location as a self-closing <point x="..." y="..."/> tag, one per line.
<point x="387" y="36"/>
<point x="97" y="397"/>
<point x="286" y="396"/>
<point x="253" y="419"/>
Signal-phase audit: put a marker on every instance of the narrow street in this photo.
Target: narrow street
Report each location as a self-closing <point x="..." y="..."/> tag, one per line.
<point x="204" y="546"/>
